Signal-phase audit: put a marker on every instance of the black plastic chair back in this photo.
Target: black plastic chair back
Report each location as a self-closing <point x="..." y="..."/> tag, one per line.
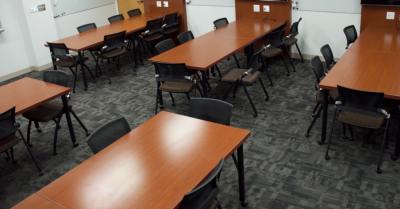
<point x="154" y="26"/>
<point x="294" y="30"/>
<point x="362" y="102"/>
<point x="115" y="40"/>
<point x="86" y="27"/>
<point x="116" y="18"/>
<point x="212" y="110"/>
<point x="134" y="12"/>
<point x="185" y="37"/>
<point x="318" y="68"/>
<point x="256" y="61"/>
<point x="328" y="55"/>
<point x="202" y="196"/>
<point x="58" y="50"/>
<point x="56" y="77"/>
<point x="165" y="45"/>
<point x="7" y="121"/>
<point x="107" y="134"/>
<point x="171" y="72"/>
<point x="351" y="34"/>
<point x="220" y="22"/>
<point x="171" y="20"/>
<point x="275" y="39"/>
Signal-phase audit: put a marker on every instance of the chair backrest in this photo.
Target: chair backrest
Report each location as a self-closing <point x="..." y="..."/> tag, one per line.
<point x="7" y="121"/>
<point x="256" y="61"/>
<point x="134" y="12"/>
<point x="351" y="34"/>
<point x="107" y="134"/>
<point x="318" y="68"/>
<point x="116" y="18"/>
<point x="362" y="102"/>
<point x="154" y="26"/>
<point x="294" y="30"/>
<point x="275" y="38"/>
<point x="58" y="50"/>
<point x="115" y="40"/>
<point x="202" y="196"/>
<point x="165" y="45"/>
<point x="328" y="56"/>
<point x="57" y="77"/>
<point x="171" y="20"/>
<point x="212" y="110"/>
<point x="87" y="27"/>
<point x="171" y="72"/>
<point x="185" y="37"/>
<point x="220" y="22"/>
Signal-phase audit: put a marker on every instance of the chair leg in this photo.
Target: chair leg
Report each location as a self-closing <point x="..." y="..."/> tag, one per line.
<point x="55" y="135"/>
<point x="12" y="155"/>
<point x="29" y="150"/>
<point x="109" y="79"/>
<point x="315" y="108"/>
<point x="172" y="98"/>
<point x="327" y="157"/>
<point x="201" y="92"/>
<point x="237" y="62"/>
<point x="230" y="88"/>
<point x="368" y="141"/>
<point x="118" y="62"/>
<point x="96" y="60"/>
<point x="234" y="90"/>
<point x="38" y="129"/>
<point x="90" y="72"/>
<point x="156" y="101"/>
<point x="265" y="91"/>
<point x="8" y="156"/>
<point x="266" y="70"/>
<point x="283" y="58"/>
<point x="72" y="71"/>
<point x="290" y="58"/>
<point x="79" y="121"/>
<point x="213" y="71"/>
<point x="235" y="160"/>
<point x="351" y="132"/>
<point x="299" y="53"/>
<point x="133" y="66"/>
<point x="188" y="97"/>
<point x="248" y="96"/>
<point x="219" y="72"/>
<point x="147" y="49"/>
<point x="379" y="171"/>
<point x="313" y="121"/>
<point x="29" y="133"/>
<point x="76" y="73"/>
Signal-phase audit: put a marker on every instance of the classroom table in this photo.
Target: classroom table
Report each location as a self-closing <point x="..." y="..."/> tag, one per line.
<point x="371" y="64"/>
<point x="36" y="202"/>
<point x="153" y="166"/>
<point x="28" y="93"/>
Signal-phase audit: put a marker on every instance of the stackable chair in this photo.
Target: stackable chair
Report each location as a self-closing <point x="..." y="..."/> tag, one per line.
<point x="291" y="40"/>
<point x="93" y="50"/>
<point x="351" y="35"/>
<point x="154" y="32"/>
<point x="328" y="56"/>
<point x="116" y="18"/>
<point x="219" y="23"/>
<point x="171" y="24"/>
<point x="134" y="12"/>
<point x="185" y="37"/>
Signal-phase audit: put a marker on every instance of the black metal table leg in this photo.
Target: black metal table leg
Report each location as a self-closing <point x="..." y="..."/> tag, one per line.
<point x="324" y="117"/>
<point x="397" y="148"/>
<point x="83" y="71"/>
<point x="242" y="190"/>
<point x="204" y="82"/>
<point x="134" y="48"/>
<point x="68" y="116"/>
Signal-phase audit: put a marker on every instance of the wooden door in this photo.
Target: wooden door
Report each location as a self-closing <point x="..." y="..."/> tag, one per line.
<point x="126" y="5"/>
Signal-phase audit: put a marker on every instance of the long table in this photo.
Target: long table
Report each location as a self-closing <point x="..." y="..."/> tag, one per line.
<point x="211" y="48"/>
<point x="36" y="201"/>
<point x="372" y="63"/>
<point x="153" y="166"/>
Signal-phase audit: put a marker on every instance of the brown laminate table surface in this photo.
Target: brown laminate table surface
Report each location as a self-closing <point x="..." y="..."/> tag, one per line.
<point x="36" y="202"/>
<point x="153" y="166"/>
<point x="380" y="39"/>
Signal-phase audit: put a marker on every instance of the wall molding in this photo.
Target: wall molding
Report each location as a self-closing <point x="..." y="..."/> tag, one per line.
<point x="25" y="70"/>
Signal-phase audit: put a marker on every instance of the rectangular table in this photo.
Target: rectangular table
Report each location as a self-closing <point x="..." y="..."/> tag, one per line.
<point x="153" y="166"/>
<point x="367" y="68"/>
<point x="36" y="202"/>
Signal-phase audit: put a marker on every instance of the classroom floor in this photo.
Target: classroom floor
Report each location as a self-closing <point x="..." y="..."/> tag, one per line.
<point x="283" y="168"/>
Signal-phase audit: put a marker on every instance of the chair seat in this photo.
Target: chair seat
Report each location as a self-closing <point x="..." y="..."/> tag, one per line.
<point x="333" y="94"/>
<point x="170" y="30"/>
<point x="268" y="53"/>
<point x="8" y="142"/>
<point x="177" y="87"/>
<point x="361" y="120"/>
<point x="45" y="112"/>
<point x="153" y="37"/>
<point x="290" y="41"/>
<point x="113" y="53"/>
<point x="70" y="62"/>
<point x="234" y="74"/>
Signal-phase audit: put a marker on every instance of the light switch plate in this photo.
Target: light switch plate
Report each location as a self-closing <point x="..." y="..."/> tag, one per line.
<point x="158" y="3"/>
<point x="390" y="15"/>
<point x="42" y="7"/>
<point x="165" y="3"/>
<point x="266" y="8"/>
<point x="256" y="8"/>
<point x="33" y="9"/>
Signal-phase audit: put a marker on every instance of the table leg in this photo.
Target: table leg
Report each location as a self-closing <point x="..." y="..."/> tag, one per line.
<point x="397" y="148"/>
<point x="242" y="190"/>
<point x="249" y="51"/>
<point x="134" y="48"/>
<point x="140" y="50"/>
<point x="324" y="117"/>
<point x="68" y="116"/>
<point x="83" y="71"/>
<point x="204" y="82"/>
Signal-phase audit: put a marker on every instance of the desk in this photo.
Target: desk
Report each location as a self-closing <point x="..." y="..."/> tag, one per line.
<point x="27" y="93"/>
<point x="153" y="166"/>
<point x="36" y="202"/>
<point x="367" y="68"/>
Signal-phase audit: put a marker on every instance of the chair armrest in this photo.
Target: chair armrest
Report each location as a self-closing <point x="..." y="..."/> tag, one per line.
<point x="287" y="37"/>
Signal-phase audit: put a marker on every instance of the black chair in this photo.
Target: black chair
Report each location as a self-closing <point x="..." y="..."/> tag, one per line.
<point x="114" y="47"/>
<point x="107" y="134"/>
<point x="51" y="110"/>
<point x="134" y="12"/>
<point x="185" y="37"/>
<point x="61" y="57"/>
<point x="8" y="139"/>
<point x="204" y="195"/>
<point x="328" y="56"/>
<point x="94" y="49"/>
<point x="363" y="109"/>
<point x="116" y="18"/>
<point x="275" y="42"/>
<point x="172" y="24"/>
<point x="351" y="35"/>
<point x="219" y="23"/>
<point x="174" y="78"/>
<point x="154" y="32"/>
<point x="247" y="77"/>
<point x="165" y="45"/>
<point x="294" y="31"/>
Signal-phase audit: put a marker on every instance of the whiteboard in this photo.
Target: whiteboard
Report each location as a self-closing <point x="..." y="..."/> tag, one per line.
<point x="340" y="6"/>
<point x="222" y="3"/>
<point x="65" y="7"/>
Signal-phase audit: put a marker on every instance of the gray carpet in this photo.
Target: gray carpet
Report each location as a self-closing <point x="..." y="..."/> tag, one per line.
<point x="283" y="168"/>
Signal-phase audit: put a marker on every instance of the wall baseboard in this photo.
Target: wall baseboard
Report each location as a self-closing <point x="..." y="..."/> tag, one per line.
<point x="25" y="70"/>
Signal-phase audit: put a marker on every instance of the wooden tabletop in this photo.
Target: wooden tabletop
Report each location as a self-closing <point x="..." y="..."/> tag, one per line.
<point x="28" y="93"/>
<point x="151" y="167"/>
<point x="381" y="39"/>
<point x="36" y="202"/>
